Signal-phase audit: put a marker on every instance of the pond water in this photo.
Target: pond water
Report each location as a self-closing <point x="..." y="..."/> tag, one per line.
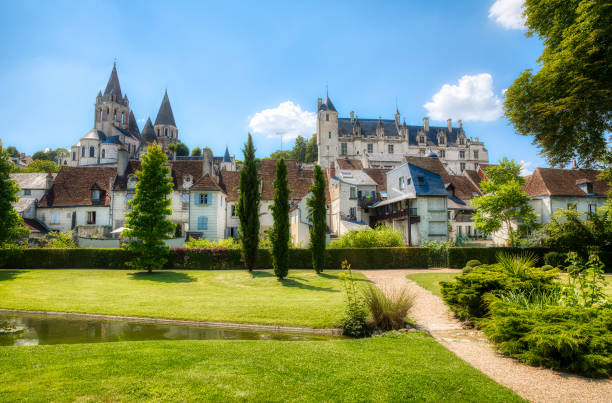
<point x="42" y="329"/>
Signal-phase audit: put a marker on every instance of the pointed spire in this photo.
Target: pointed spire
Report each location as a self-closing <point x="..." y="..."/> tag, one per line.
<point x="165" y="115"/>
<point x="133" y="126"/>
<point x="113" y="86"/>
<point x="148" y="132"/>
<point x="226" y="157"/>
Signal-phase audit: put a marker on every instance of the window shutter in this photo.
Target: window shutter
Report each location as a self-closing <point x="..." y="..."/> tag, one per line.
<point x="203" y="223"/>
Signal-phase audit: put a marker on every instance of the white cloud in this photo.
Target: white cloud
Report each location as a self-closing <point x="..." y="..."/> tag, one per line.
<point x="287" y="119"/>
<point x="525" y="171"/>
<point x="472" y="98"/>
<point x="508" y="13"/>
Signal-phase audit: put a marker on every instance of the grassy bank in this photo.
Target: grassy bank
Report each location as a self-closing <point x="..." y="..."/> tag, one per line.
<point x="412" y="367"/>
<point x="304" y="299"/>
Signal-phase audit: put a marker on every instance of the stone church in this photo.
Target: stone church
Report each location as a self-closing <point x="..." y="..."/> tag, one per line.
<point x="115" y="128"/>
<point x="385" y="143"/>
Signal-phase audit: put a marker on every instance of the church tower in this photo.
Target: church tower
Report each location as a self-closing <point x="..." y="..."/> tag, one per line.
<point x="112" y="108"/>
<point x="165" y="127"/>
<point x="327" y="132"/>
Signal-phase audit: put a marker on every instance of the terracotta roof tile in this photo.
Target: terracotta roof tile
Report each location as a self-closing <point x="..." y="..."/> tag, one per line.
<point x="206" y="182"/>
<point x="563" y="182"/>
<point x="345" y="163"/>
<point x="73" y="185"/>
<point x="229" y="181"/>
<point x="378" y="175"/>
<point x="464" y="188"/>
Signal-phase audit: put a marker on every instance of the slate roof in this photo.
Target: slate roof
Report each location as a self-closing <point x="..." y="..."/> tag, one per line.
<point x="133" y="126"/>
<point x="113" y="140"/>
<point x="327" y="105"/>
<point x="368" y="128"/>
<point x="165" y="115"/>
<point x="22" y="204"/>
<point x="432" y="184"/>
<point x="345" y="163"/>
<point x="113" y="87"/>
<point x="72" y="186"/>
<point x="431" y="164"/>
<point x="563" y="182"/>
<point x="35" y="180"/>
<point x="148" y="132"/>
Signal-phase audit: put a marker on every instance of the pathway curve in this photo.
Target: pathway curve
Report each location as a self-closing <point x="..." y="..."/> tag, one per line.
<point x="532" y="383"/>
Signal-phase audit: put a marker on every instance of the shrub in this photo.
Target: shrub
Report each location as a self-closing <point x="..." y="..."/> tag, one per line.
<point x="379" y="237"/>
<point x="554" y="259"/>
<point x="547" y="267"/>
<point x="575" y="339"/>
<point x="388" y="307"/>
<point x="465" y="294"/>
<point x="473" y="263"/>
<point x="202" y="243"/>
<point x="516" y="265"/>
<point x="354" y="323"/>
<point x="458" y="256"/>
<point x="58" y="240"/>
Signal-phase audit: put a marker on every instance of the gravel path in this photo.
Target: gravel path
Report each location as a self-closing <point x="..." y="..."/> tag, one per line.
<point x="532" y="383"/>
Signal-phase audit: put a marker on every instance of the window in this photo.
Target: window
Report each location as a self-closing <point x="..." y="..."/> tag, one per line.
<point x="353" y="212"/>
<point x="55" y="218"/>
<point x="91" y="217"/>
<point x="469" y="231"/>
<point x="132" y="182"/>
<point x="234" y="211"/>
<point x="343" y="148"/>
<point x="462" y="154"/>
<point x="95" y="195"/>
<point x="128" y="200"/>
<point x="475" y="155"/>
<point x="421" y="180"/>
<point x="100" y="114"/>
<point x="441" y="153"/>
<point x="408" y="181"/>
<point x="104" y="153"/>
<point x="74" y="156"/>
<point x="82" y="151"/>
<point x="27" y="192"/>
<point x="402" y="183"/>
<point x="92" y="151"/>
<point x="353" y="192"/>
<point x="462" y="166"/>
<point x="441" y="141"/>
<point x="592" y="208"/>
<point x="390" y="148"/>
<point x="122" y="117"/>
<point x="232" y="232"/>
<point x="202" y="223"/>
<point x="203" y="199"/>
<point x="370" y="148"/>
<point x="329" y="135"/>
<point x="327" y="117"/>
<point x="115" y="114"/>
<point x="421" y="139"/>
<point x="185" y="201"/>
<point x="166" y="132"/>
<point x="462" y="141"/>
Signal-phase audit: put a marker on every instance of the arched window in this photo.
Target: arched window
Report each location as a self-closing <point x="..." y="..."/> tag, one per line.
<point x="158" y="132"/>
<point x="74" y="156"/>
<point x="100" y="114"/>
<point x="92" y="151"/>
<point x="82" y="151"/>
<point x="166" y="132"/>
<point x="122" y="117"/>
<point x="114" y="114"/>
<point x="107" y="113"/>
<point x="103" y="153"/>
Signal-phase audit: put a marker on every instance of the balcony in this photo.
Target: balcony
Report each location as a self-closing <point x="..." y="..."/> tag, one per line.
<point x="365" y="203"/>
<point x="399" y="215"/>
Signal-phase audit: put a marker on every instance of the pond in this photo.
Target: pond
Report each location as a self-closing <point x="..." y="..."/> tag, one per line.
<point x="32" y="329"/>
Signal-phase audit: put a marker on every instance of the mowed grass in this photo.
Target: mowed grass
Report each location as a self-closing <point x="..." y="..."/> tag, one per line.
<point x="431" y="281"/>
<point x="304" y="299"/>
<point x="413" y="367"/>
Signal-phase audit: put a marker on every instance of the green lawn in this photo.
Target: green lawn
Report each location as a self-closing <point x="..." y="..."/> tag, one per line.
<point x="304" y="299"/>
<point x="412" y="367"/>
<point x="431" y="281"/>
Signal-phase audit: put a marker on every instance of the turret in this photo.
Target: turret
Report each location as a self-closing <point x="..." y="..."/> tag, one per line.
<point x="327" y="131"/>
<point x="112" y="108"/>
<point x="165" y="126"/>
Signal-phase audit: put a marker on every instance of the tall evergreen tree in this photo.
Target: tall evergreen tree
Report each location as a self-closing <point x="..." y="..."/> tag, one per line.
<point x="317" y="214"/>
<point x="147" y="221"/>
<point x="248" y="206"/>
<point x="11" y="229"/>
<point x="280" y="229"/>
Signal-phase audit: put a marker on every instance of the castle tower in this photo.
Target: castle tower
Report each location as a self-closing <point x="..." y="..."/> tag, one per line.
<point x="327" y="132"/>
<point x="165" y="127"/>
<point x="112" y="108"/>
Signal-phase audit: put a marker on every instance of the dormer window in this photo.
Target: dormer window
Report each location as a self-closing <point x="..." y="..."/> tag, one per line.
<point x="132" y="179"/>
<point x="421" y="180"/>
<point x="95" y="195"/>
<point x="585" y="185"/>
<point x="441" y="140"/>
<point x="187" y="181"/>
<point x="461" y="141"/>
<point x="421" y="139"/>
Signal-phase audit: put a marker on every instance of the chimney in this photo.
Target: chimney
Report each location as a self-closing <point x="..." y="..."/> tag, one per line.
<point x="352" y="116"/>
<point x="460" y="124"/>
<point x="48" y="181"/>
<point x="449" y="124"/>
<point x="207" y="162"/>
<point x="122" y="161"/>
<point x="332" y="170"/>
<point x="319" y="102"/>
<point x="426" y="124"/>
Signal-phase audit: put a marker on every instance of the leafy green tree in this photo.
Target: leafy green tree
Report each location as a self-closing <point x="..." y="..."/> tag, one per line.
<point x="60" y="154"/>
<point x="39" y="166"/>
<point x="567" y="105"/>
<point x="181" y="150"/>
<point x="248" y="206"/>
<point x="196" y="152"/>
<point x="504" y="204"/>
<point x="59" y="240"/>
<point x="570" y="229"/>
<point x="147" y="221"/>
<point x="11" y="229"/>
<point x="312" y="150"/>
<point x="13" y="151"/>
<point x="284" y="154"/>
<point x="299" y="149"/>
<point x="280" y="229"/>
<point x="40" y="155"/>
<point x="317" y="214"/>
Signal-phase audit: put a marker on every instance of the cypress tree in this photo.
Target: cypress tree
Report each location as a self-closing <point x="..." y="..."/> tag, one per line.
<point x="280" y="229"/>
<point x="11" y="229"/>
<point x="317" y="214"/>
<point x="248" y="206"/>
<point x="147" y="221"/>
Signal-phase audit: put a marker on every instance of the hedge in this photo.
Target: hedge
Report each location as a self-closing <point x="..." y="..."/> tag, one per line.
<point x="183" y="258"/>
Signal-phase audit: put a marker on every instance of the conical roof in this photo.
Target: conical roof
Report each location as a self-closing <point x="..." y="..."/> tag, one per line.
<point x="148" y="132"/>
<point x="226" y="156"/>
<point x="133" y="126"/>
<point x="113" y="86"/>
<point x="165" y="115"/>
<point x="327" y="105"/>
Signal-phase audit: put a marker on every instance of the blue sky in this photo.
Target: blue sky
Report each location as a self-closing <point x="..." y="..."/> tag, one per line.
<point x="233" y="67"/>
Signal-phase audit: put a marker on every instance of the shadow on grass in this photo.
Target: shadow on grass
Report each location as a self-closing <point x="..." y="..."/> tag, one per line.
<point x="10" y="274"/>
<point x="163" y="277"/>
<point x="290" y="282"/>
<point x="261" y="274"/>
<point x="337" y="277"/>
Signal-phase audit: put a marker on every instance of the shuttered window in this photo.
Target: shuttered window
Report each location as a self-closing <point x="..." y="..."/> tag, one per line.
<point x="202" y="223"/>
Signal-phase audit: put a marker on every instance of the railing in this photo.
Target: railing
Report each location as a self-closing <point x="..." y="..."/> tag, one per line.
<point x="403" y="213"/>
<point x="366" y="202"/>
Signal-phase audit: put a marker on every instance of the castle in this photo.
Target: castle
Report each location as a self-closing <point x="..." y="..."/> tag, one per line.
<point x="383" y="143"/>
<point x="115" y="128"/>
